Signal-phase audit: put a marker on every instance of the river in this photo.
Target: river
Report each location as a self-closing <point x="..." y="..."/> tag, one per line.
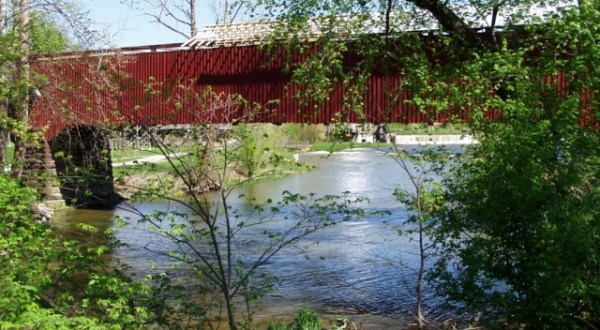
<point x="361" y="268"/>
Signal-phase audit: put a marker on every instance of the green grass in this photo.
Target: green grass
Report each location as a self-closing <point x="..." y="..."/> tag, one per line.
<point x="424" y="129"/>
<point x="158" y="167"/>
<point x="125" y="155"/>
<point x="333" y="146"/>
<point x="305" y="319"/>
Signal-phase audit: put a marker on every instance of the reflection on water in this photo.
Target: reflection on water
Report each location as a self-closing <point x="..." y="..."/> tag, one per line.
<point x="363" y="172"/>
<point x="360" y="267"/>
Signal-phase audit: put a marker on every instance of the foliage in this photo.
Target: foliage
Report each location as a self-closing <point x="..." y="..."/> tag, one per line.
<point x="523" y="224"/>
<point x="303" y="133"/>
<point x="18" y="88"/>
<point x="206" y="240"/>
<point x="424" y="198"/>
<point x="517" y="236"/>
<point x="204" y="157"/>
<point x="342" y="132"/>
<point x="51" y="282"/>
<point x="305" y="319"/>
<point x="448" y="128"/>
<point x="252" y="149"/>
<point x="46" y="37"/>
<point x="203" y="234"/>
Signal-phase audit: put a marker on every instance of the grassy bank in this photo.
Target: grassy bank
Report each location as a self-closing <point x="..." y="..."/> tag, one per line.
<point x="333" y="146"/>
<point x="254" y="152"/>
<point x="424" y="129"/>
<point x="260" y="148"/>
<point x="125" y="155"/>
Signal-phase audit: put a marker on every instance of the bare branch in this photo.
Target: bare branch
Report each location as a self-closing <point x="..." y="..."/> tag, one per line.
<point x="178" y="16"/>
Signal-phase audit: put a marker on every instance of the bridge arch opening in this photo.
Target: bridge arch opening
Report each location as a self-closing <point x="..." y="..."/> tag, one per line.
<point x="84" y="167"/>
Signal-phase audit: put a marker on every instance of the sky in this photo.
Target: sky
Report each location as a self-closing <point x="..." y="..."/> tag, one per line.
<point x="128" y="27"/>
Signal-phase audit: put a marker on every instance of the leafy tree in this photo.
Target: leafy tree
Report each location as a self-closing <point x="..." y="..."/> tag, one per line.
<point x="518" y="234"/>
<point x="522" y="219"/>
<point x="423" y="197"/>
<point x="24" y="33"/>
<point x="46" y="37"/>
<point x="19" y="96"/>
<point x="48" y="281"/>
<point x="204" y="233"/>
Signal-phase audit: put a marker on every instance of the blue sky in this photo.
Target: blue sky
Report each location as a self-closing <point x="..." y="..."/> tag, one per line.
<point x="127" y="27"/>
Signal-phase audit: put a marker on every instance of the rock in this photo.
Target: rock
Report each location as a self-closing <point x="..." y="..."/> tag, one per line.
<point x="43" y="212"/>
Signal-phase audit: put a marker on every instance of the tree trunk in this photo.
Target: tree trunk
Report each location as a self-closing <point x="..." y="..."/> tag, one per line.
<point x="3" y="145"/>
<point x="422" y="257"/>
<point x="451" y="22"/>
<point x="3" y="107"/>
<point x="193" y="27"/>
<point x="3" y="16"/>
<point x="231" y="314"/>
<point x="21" y="79"/>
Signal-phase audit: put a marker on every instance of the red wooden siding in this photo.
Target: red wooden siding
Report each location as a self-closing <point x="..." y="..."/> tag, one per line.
<point x="78" y="93"/>
<point x="116" y="89"/>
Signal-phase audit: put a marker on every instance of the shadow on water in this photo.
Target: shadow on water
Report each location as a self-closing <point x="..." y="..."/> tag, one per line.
<point x="360" y="267"/>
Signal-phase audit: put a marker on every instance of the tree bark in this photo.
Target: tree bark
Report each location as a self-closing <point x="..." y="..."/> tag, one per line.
<point x="3" y="145"/>
<point x="451" y="22"/>
<point x="3" y="16"/>
<point x="22" y="72"/>
<point x="193" y="27"/>
<point x="3" y="104"/>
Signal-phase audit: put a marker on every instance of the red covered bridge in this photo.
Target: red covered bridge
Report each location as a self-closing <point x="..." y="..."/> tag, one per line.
<point x="221" y="76"/>
<point x="167" y="84"/>
<point x="172" y="85"/>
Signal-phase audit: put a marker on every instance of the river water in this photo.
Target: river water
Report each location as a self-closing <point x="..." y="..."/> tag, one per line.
<point x="360" y="268"/>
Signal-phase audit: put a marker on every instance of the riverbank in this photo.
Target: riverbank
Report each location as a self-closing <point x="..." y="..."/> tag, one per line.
<point x="346" y="270"/>
<point x="342" y="271"/>
<point x="147" y="160"/>
<point x="143" y="171"/>
<point x="446" y="139"/>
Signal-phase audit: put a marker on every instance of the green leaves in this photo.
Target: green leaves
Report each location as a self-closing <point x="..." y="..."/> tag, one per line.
<point x="50" y="282"/>
<point x="305" y="319"/>
<point x="522" y="218"/>
<point x="47" y="38"/>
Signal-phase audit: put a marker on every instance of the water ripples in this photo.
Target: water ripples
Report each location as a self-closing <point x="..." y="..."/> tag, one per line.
<point x="357" y="267"/>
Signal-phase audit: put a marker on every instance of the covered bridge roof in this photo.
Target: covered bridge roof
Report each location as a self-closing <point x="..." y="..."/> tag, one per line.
<point x="255" y="33"/>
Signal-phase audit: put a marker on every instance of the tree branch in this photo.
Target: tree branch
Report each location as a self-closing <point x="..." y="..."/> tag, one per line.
<point x="451" y="22"/>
